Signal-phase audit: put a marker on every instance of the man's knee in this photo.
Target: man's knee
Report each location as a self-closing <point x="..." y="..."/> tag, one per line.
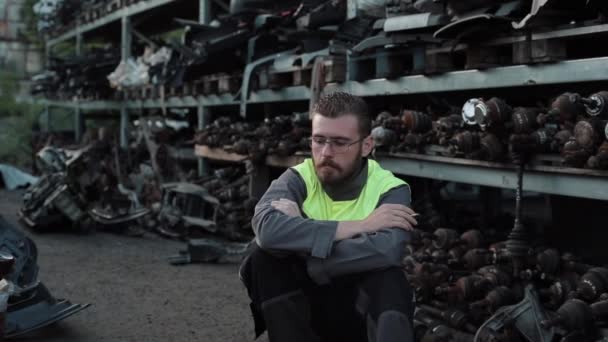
<point x="386" y="290"/>
<point x="266" y="275"/>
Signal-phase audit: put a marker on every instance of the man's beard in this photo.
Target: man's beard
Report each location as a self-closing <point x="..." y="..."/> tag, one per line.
<point x="342" y="175"/>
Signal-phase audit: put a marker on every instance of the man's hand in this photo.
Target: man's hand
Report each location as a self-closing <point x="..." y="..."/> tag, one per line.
<point x="390" y="216"/>
<point x="287" y="207"/>
<point x="384" y="217"/>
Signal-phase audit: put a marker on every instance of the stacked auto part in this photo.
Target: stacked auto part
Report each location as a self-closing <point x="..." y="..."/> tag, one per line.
<point x="281" y="135"/>
<point x="463" y="281"/>
<point x="573" y="126"/>
<point x="81" y="77"/>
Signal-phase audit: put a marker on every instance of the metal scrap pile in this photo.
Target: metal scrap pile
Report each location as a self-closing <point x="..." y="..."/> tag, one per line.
<point x="472" y="287"/>
<point x="82" y="188"/>
<point x="574" y="126"/>
<point x="81" y="77"/>
<point x="269" y="44"/>
<point x="430" y="36"/>
<point x="281" y="135"/>
<point x="142" y="187"/>
<point x="254" y="34"/>
<point x="57" y="15"/>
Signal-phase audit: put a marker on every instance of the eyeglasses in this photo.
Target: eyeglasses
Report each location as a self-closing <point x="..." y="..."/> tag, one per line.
<point x="337" y="146"/>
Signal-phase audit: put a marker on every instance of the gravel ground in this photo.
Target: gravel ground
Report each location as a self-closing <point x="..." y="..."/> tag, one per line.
<point x="136" y="295"/>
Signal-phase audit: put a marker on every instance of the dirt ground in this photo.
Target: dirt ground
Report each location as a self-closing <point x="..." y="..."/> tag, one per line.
<point x="136" y="295"/>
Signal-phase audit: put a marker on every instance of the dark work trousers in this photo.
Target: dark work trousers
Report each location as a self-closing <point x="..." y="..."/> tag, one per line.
<point x="375" y="306"/>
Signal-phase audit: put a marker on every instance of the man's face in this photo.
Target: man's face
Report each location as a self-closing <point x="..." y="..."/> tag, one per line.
<point x="335" y="163"/>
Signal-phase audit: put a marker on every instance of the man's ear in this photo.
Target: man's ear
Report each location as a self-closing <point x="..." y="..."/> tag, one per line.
<point x="368" y="146"/>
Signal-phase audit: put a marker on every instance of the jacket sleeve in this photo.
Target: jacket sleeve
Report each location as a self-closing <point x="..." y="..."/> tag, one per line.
<point x="365" y="252"/>
<point x="275" y="231"/>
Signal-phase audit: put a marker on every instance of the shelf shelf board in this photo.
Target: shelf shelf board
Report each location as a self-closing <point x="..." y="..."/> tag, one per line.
<point x="537" y="178"/>
<point x="203" y="151"/>
<point x="130" y="10"/>
<point x="571" y="71"/>
<point x="217" y="154"/>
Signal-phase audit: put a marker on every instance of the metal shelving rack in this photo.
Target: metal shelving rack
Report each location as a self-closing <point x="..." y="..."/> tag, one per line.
<point x="544" y="179"/>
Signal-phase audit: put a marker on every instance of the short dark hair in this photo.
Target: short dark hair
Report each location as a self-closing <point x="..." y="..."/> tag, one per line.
<point x="338" y="104"/>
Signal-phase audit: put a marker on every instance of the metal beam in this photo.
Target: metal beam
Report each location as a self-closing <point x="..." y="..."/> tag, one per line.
<point x="581" y="70"/>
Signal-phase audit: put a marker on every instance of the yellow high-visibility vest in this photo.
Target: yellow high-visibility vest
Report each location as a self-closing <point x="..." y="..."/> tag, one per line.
<point x="319" y="206"/>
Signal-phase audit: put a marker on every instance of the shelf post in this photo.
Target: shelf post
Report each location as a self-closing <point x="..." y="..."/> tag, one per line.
<point x="351" y="9"/>
<point x="125" y="38"/>
<point x="47" y="117"/>
<point x="204" y="13"/>
<point x="78" y="43"/>
<point x="202" y="115"/>
<point x="78" y="123"/>
<point x="124" y="127"/>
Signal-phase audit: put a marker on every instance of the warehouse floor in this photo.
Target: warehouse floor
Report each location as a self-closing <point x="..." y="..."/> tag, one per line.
<point x="136" y="294"/>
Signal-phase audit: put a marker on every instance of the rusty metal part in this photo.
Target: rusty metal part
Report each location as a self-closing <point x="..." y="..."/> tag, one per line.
<point x="211" y="250"/>
<point x="443" y="333"/>
<point x="560" y="139"/>
<point x="456" y="254"/>
<point x="466" y="142"/>
<point x="416" y="122"/>
<point x="491" y="148"/>
<point x="495" y="275"/>
<point x="445" y="238"/>
<point x="600" y="160"/>
<point x="449" y="124"/>
<point x="593" y="283"/>
<point x="571" y="263"/>
<point x="586" y="135"/>
<point x="574" y="314"/>
<point x="597" y="104"/>
<point x="465" y="289"/>
<point x="495" y="299"/>
<point x="536" y="142"/>
<point x="560" y="290"/>
<point x="452" y="317"/>
<point x="490" y="113"/>
<point x="524" y="119"/>
<point x="548" y="262"/>
<point x="477" y="258"/>
<point x="573" y="154"/>
<point x="384" y="137"/>
<point x="567" y="107"/>
<point x="186" y="207"/>
<point x="524" y="317"/>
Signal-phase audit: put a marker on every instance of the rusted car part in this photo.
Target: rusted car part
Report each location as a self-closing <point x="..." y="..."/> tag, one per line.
<point x="186" y="207"/>
<point x="51" y="200"/>
<point x="211" y="250"/>
<point x="30" y="305"/>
